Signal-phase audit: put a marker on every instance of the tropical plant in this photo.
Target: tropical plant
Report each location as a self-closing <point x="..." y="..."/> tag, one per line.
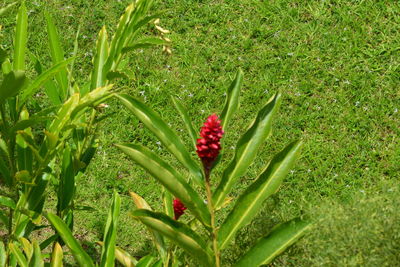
<point x="206" y="249"/>
<point x="54" y="146"/>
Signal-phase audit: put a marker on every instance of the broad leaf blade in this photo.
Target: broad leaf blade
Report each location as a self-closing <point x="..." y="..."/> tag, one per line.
<point x="65" y="233"/>
<point x="110" y="233"/>
<point x="275" y="243"/>
<point x="185" y="116"/>
<point x="3" y="255"/>
<point x="169" y="139"/>
<point x="232" y="99"/>
<point x="177" y="232"/>
<point x="250" y="202"/>
<point x="170" y="178"/>
<point x="56" y="256"/>
<point x="7" y="202"/>
<point x="12" y="83"/>
<point x="21" y="37"/>
<point x="98" y="78"/>
<point x="146" y="261"/>
<point x="246" y="149"/>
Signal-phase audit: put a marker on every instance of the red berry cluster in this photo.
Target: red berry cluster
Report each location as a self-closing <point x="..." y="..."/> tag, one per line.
<point x="209" y="145"/>
<point x="179" y="208"/>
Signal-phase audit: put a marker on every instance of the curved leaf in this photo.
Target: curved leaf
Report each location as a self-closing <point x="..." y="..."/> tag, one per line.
<point x="98" y="78"/>
<point x="170" y="178"/>
<point x="57" y="256"/>
<point x="250" y="202"/>
<point x="3" y="255"/>
<point x="65" y="233"/>
<point x="144" y="43"/>
<point x="275" y="243"/>
<point x="37" y="259"/>
<point x="188" y="123"/>
<point x="146" y="261"/>
<point x="19" y="256"/>
<point x="178" y="233"/>
<point x="12" y="83"/>
<point x="8" y="202"/>
<point x="246" y="149"/>
<point x="5" y="9"/>
<point x="169" y="139"/>
<point x="232" y="99"/>
<point x="124" y="258"/>
<point x="110" y="233"/>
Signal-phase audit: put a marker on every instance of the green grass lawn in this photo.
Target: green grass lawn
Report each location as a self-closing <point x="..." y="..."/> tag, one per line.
<point x="337" y="66"/>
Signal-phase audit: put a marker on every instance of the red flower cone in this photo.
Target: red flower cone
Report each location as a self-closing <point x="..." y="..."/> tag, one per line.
<point x="209" y="145"/>
<point x="179" y="208"/>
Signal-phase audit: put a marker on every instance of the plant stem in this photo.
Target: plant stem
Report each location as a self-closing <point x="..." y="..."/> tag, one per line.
<point x="212" y="212"/>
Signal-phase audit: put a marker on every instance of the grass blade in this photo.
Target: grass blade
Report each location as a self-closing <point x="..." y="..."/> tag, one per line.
<point x="250" y="202"/>
<point x="275" y="243"/>
<point x="57" y="55"/>
<point x="185" y="116"/>
<point x="177" y="232"/>
<point x="56" y="256"/>
<point x="65" y="233"/>
<point x="5" y="9"/>
<point x="110" y="233"/>
<point x="246" y="149"/>
<point x="164" y="133"/>
<point x="170" y="178"/>
<point x="21" y="37"/>
<point x="232" y="99"/>
<point x="98" y="78"/>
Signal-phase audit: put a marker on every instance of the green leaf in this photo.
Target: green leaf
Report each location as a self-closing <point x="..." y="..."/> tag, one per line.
<point x="3" y="255"/>
<point x="232" y="99"/>
<point x="144" y="43"/>
<point x="178" y="233"/>
<point x="21" y="259"/>
<point x="13" y="82"/>
<point x="65" y="233"/>
<point x="108" y="251"/>
<point x="267" y="248"/>
<point x="37" y="260"/>
<point x="3" y="55"/>
<point x="5" y="173"/>
<point x="170" y="178"/>
<point x="23" y="124"/>
<point x="56" y="256"/>
<point x="57" y="56"/>
<point x="4" y="10"/>
<point x="168" y="203"/>
<point x="21" y="37"/>
<point x="169" y="139"/>
<point x="42" y="79"/>
<point x="246" y="149"/>
<point x="186" y="119"/>
<point x="250" y="202"/>
<point x="7" y="202"/>
<point x="98" y="78"/>
<point x="124" y="258"/>
<point x="66" y="187"/>
<point x="52" y="92"/>
<point x="146" y="261"/>
<point x="157" y="238"/>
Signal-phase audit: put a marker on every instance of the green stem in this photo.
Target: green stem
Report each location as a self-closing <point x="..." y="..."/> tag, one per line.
<point x="212" y="212"/>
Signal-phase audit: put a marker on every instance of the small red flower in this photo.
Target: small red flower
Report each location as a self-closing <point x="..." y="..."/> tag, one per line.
<point x="208" y="146"/>
<point x="179" y="208"/>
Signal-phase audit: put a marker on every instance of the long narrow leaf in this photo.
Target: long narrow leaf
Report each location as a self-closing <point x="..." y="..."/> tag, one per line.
<point x="98" y="78"/>
<point x="42" y="79"/>
<point x="110" y="233"/>
<point x="232" y="99"/>
<point x="21" y="37"/>
<point x="145" y="43"/>
<point x="77" y="251"/>
<point x="3" y="255"/>
<point x="170" y="140"/>
<point x="186" y="119"/>
<point x="19" y="256"/>
<point x="246" y="149"/>
<point x="8" y="202"/>
<point x="275" y="243"/>
<point x="249" y="203"/>
<point x="170" y="178"/>
<point x="13" y="82"/>
<point x="5" y="9"/>
<point x="146" y="261"/>
<point x="178" y="233"/>
<point x="37" y="260"/>
<point x="157" y="238"/>
<point x="56" y="256"/>
<point x="57" y="55"/>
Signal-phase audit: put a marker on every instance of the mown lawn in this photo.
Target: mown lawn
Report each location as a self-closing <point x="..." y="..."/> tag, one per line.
<point x="337" y="65"/>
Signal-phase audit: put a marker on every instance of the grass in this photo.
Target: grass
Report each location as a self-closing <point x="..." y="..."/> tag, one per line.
<point x="337" y="65"/>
